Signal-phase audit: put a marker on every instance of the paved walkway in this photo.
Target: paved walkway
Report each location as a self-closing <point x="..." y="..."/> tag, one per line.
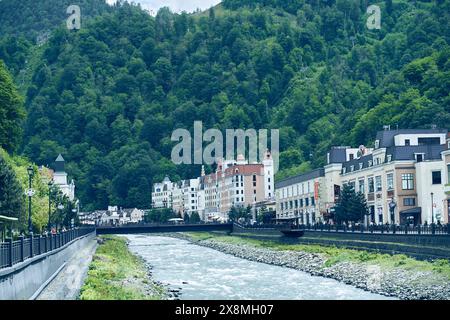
<point x="67" y="284"/>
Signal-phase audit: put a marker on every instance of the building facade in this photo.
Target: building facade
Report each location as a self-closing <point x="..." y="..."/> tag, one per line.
<point x="402" y="178"/>
<point x="235" y="183"/>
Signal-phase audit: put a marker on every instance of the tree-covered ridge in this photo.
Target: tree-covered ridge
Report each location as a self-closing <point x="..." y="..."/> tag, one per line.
<point x="35" y="19"/>
<point x="12" y="112"/>
<point x="109" y="96"/>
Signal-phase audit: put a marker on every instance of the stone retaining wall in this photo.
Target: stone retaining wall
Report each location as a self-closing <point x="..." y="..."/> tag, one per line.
<point x="21" y="281"/>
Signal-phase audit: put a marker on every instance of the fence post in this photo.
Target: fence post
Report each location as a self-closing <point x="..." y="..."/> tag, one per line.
<point x="46" y="243"/>
<point x="448" y="228"/>
<point x="39" y="244"/>
<point x="31" y="246"/>
<point x="419" y="229"/>
<point x="22" y="248"/>
<point x="406" y="229"/>
<point x="11" y="251"/>
<point x="433" y="228"/>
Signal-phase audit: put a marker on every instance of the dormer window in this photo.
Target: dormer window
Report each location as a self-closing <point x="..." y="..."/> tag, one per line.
<point x="419" y="157"/>
<point x="389" y="158"/>
<point x="407" y="142"/>
<point x="352" y="168"/>
<point x="377" y="144"/>
<point x="344" y="170"/>
<point x="360" y="166"/>
<point x="370" y="163"/>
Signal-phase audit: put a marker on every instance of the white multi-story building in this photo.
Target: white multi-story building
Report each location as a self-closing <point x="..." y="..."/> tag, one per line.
<point x="299" y="198"/>
<point x="162" y="194"/>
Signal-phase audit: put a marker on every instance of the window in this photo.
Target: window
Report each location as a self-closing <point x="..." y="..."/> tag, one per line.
<point x="407" y="181"/>
<point x="360" y="166"/>
<point x="407" y="142"/>
<point x="352" y="156"/>
<point x="361" y="186"/>
<point x="281" y="204"/>
<point x="377" y="144"/>
<point x="313" y="201"/>
<point x="409" y="202"/>
<point x="306" y="202"/>
<point x="419" y="157"/>
<point x="370" y="163"/>
<point x="352" y="168"/>
<point x="390" y="181"/>
<point x="378" y="183"/>
<point x="389" y="158"/>
<point x="296" y="203"/>
<point x="371" y="185"/>
<point x="436" y="177"/>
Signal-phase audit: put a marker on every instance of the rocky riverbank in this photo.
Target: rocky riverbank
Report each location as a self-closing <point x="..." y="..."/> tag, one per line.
<point x="395" y="282"/>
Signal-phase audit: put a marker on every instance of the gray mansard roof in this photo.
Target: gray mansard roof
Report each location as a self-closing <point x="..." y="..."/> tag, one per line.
<point x="386" y="137"/>
<point x="432" y="152"/>
<point x="300" y="178"/>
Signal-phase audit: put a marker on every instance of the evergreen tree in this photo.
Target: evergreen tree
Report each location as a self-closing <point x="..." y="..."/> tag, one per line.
<point x="351" y="206"/>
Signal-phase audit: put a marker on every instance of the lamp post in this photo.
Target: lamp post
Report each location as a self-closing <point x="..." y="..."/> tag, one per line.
<point x="50" y="186"/>
<point x="60" y="208"/>
<point x="30" y="171"/>
<point x="432" y="208"/>
<point x="432" y="214"/>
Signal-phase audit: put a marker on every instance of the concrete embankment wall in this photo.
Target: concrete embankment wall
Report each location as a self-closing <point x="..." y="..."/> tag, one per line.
<point x="417" y="246"/>
<point x="24" y="279"/>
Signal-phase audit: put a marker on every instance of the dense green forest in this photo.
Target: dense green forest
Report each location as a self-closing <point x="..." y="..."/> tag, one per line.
<point x="109" y="95"/>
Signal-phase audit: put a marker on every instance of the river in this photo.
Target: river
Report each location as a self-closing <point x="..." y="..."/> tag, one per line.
<point x="206" y="274"/>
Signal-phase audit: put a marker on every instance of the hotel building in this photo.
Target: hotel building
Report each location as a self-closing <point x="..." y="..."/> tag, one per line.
<point x="235" y="183"/>
<point x="402" y="178"/>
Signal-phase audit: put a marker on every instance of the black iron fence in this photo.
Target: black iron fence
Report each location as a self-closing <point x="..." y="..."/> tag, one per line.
<point x="13" y="252"/>
<point x="431" y="229"/>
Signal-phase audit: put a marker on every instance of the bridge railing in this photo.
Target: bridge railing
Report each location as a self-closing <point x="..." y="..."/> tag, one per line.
<point x="13" y="252"/>
<point x="430" y="229"/>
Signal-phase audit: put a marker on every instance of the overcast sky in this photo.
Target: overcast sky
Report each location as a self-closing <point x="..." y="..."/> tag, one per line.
<point x="174" y="5"/>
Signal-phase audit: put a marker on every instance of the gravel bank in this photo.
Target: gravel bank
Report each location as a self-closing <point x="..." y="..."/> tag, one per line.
<point x="395" y="282"/>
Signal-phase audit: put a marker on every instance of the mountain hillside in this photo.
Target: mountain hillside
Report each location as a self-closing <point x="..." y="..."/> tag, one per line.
<point x="109" y="96"/>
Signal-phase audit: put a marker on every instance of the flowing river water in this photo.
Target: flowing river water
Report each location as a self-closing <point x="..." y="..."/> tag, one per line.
<point x="206" y="274"/>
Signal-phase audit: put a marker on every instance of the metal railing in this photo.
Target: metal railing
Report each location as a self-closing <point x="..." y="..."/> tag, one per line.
<point x="13" y="252"/>
<point x="431" y="229"/>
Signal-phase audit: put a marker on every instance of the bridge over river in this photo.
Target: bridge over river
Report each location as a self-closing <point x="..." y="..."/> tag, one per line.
<point x="164" y="228"/>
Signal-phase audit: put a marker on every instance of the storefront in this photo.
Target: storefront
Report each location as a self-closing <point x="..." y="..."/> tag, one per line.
<point x="411" y="216"/>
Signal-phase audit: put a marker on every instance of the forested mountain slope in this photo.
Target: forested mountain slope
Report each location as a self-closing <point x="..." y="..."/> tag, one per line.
<point x="109" y="95"/>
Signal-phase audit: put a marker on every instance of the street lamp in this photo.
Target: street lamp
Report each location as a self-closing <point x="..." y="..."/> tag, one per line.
<point x="432" y="208"/>
<point x="50" y="186"/>
<point x="30" y="171"/>
<point x="60" y="208"/>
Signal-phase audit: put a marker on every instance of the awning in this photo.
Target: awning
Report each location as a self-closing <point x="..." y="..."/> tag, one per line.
<point x="412" y="211"/>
